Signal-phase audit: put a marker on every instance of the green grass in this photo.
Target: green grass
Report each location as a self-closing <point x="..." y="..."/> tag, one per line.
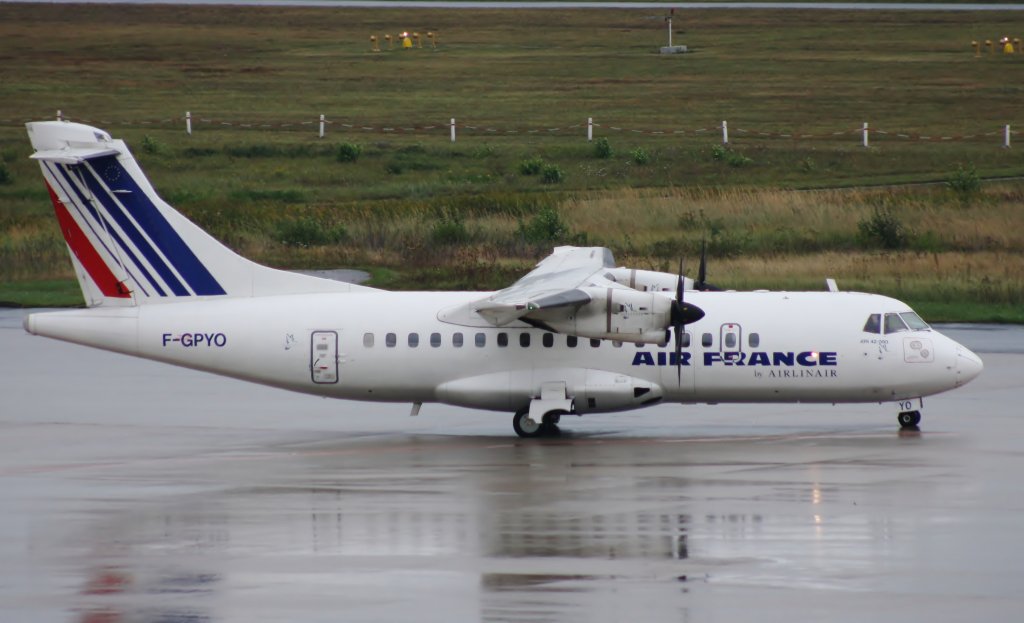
<point x="45" y="293"/>
<point x="433" y="214"/>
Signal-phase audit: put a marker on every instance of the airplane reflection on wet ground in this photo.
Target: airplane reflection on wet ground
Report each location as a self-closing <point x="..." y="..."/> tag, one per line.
<point x="185" y="497"/>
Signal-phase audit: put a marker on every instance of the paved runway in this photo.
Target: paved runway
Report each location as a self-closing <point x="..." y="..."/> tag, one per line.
<point x="133" y="491"/>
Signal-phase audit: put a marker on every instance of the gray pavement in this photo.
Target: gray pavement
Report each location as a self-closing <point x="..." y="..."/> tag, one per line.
<point x="135" y="491"/>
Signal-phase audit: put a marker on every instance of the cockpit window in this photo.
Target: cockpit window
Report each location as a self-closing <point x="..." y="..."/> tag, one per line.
<point x="894" y="324"/>
<point x="914" y="321"/>
<point x="874" y="324"/>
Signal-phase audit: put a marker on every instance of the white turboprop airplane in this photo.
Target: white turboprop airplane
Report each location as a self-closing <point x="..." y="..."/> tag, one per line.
<point x="574" y="336"/>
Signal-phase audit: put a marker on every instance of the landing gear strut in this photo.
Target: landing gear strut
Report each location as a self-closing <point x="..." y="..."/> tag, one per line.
<point x="525" y="426"/>
<point x="909" y="419"/>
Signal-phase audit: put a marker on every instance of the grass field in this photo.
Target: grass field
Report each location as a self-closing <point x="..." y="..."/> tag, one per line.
<point x="436" y="214"/>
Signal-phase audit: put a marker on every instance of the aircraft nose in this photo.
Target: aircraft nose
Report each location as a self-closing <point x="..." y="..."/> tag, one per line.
<point x="968" y="365"/>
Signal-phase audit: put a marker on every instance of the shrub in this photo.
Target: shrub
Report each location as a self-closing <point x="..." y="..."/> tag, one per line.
<point x="884" y="229"/>
<point x="5" y="174"/>
<point x="449" y="229"/>
<point x="640" y="156"/>
<point x="545" y="226"/>
<point x="730" y="157"/>
<point x="307" y="231"/>
<point x="151" y="146"/>
<point x="349" y="152"/>
<point x="531" y="166"/>
<point x="965" y="184"/>
<point x="602" y="148"/>
<point x="552" y="174"/>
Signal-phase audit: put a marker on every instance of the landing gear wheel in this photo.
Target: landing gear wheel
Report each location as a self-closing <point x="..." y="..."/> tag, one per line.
<point x="525" y="426"/>
<point x="549" y="427"/>
<point x="909" y="419"/>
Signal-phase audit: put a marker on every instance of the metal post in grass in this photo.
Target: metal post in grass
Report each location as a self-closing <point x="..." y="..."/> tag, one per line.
<point x="453" y="129"/>
<point x="590" y="129"/>
<point x="865" y="134"/>
<point x="1006" y="136"/>
<point x="321" y="126"/>
<point x="60" y="116"/>
<point x="188" y="123"/>
<point x="725" y="132"/>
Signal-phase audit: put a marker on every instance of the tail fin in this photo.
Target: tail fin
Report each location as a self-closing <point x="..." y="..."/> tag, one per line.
<point x="127" y="245"/>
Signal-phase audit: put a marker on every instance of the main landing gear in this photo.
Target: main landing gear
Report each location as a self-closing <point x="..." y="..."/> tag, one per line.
<point x="547" y="426"/>
<point x="909" y="419"/>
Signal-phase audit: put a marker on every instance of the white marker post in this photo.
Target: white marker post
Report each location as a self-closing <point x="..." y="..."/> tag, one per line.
<point x="188" y="123"/>
<point x="321" y="126"/>
<point x="60" y="116"/>
<point x="725" y="132"/>
<point x="453" y="129"/>
<point x="865" y="134"/>
<point x="1006" y="136"/>
<point x="590" y="129"/>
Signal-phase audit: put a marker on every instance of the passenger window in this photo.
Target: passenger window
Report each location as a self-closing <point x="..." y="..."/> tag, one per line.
<point x="435" y="340"/>
<point x="571" y="341"/>
<point x="368" y="340"/>
<point x="914" y="321"/>
<point x="684" y="340"/>
<point x="524" y="340"/>
<point x="548" y="340"/>
<point x="390" y="340"/>
<point x="894" y="324"/>
<point x="503" y="340"/>
<point x="457" y="340"/>
<point x="481" y="340"/>
<point x="414" y="340"/>
<point x="874" y="324"/>
<point x="730" y="340"/>
<point x="754" y="339"/>
<point x="706" y="341"/>
<point x="594" y="342"/>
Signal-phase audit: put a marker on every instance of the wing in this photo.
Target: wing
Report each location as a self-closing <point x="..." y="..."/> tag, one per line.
<point x="554" y="284"/>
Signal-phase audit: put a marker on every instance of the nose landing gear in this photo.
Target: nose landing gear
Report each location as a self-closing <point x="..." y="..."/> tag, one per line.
<point x="909" y="419"/>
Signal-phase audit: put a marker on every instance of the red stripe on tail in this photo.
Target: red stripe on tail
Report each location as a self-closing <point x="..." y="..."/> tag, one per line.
<point x="86" y="254"/>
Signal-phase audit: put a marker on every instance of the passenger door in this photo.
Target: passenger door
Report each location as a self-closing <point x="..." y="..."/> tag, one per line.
<point x="323" y="357"/>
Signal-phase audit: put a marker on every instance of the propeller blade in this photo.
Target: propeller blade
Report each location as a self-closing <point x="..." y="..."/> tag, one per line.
<point x="702" y="270"/>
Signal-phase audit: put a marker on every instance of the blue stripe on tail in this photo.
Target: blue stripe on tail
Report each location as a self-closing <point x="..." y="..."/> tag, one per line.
<point x="159" y="230"/>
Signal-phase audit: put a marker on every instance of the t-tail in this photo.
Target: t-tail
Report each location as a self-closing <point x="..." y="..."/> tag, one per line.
<point x="127" y="245"/>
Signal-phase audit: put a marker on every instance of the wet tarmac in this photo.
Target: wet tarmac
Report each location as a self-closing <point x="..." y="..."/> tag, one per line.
<point x="138" y="492"/>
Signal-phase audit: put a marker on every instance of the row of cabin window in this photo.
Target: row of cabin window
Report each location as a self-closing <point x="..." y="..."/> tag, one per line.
<point x="547" y="339"/>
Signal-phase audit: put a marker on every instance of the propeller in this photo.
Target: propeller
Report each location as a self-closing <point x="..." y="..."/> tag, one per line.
<point x="682" y="314"/>
<point x="701" y="283"/>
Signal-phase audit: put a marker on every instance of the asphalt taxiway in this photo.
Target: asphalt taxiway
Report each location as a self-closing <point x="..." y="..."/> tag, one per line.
<point x="135" y="491"/>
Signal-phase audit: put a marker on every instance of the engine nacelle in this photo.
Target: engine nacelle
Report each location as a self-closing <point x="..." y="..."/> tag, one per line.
<point x="618" y="314"/>
<point x="646" y="280"/>
<point x="590" y="391"/>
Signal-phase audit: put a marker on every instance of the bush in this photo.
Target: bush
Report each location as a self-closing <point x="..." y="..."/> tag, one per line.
<point x="728" y="156"/>
<point x="151" y="146"/>
<point x="531" y="166"/>
<point x="884" y="229"/>
<point x="307" y="231"/>
<point x="640" y="156"/>
<point x="552" y="174"/>
<point x="449" y="229"/>
<point x="602" y="148"/>
<point x="349" y="152"/>
<point x="965" y="184"/>
<point x="5" y="174"/>
<point x="545" y="226"/>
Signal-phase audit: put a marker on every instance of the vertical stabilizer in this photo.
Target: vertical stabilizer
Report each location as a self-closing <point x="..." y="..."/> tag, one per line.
<point x="127" y="245"/>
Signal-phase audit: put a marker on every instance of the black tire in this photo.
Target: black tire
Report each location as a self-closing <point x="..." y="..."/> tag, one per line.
<point x="909" y="419"/>
<point x="526" y="427"/>
<point x="549" y="425"/>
